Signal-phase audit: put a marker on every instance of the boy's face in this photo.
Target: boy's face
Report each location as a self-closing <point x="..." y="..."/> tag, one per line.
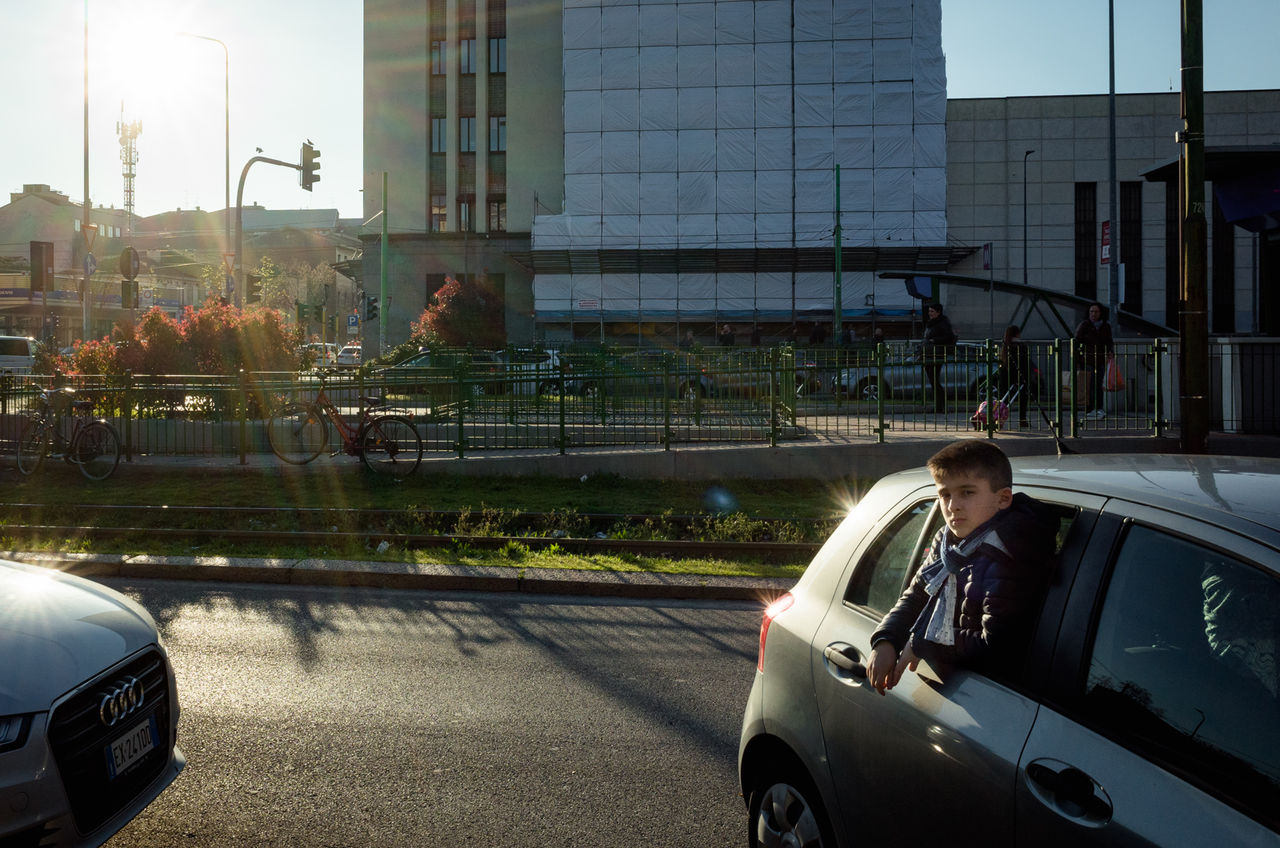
<point x="967" y="501"/>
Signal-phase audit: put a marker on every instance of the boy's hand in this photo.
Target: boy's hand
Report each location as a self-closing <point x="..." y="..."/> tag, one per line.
<point x="907" y="662"/>
<point x="882" y="670"/>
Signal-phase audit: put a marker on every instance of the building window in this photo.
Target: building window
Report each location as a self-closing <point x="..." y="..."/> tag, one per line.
<point x="439" y="129"/>
<point x="497" y="216"/>
<point x="1131" y="244"/>
<point x="439" y="53"/>
<point x="465" y="222"/>
<point x="1088" y="253"/>
<point x="497" y="133"/>
<point x="467" y="56"/>
<point x="439" y="214"/>
<point x="466" y="135"/>
<point x="498" y="55"/>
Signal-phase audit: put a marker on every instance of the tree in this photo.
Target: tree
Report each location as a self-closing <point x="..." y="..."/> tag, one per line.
<point x="461" y="314"/>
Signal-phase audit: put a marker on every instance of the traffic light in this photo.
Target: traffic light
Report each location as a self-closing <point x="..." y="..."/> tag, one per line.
<point x="304" y="312"/>
<point x="333" y="325"/>
<point x="253" y="292"/>
<point x="128" y="294"/>
<point x="310" y="164"/>
<point x="370" y="308"/>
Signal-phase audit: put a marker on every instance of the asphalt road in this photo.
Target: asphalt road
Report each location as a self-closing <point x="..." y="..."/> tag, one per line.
<point x="323" y="717"/>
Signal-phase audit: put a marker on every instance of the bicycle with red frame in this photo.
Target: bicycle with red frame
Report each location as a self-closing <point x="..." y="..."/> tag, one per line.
<point x="383" y="437"/>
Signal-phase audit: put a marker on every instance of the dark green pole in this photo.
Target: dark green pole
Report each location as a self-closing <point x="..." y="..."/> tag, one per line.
<point x="1194" y="318"/>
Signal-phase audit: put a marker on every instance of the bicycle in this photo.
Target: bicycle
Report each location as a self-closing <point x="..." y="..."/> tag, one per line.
<point x="93" y="446"/>
<point x="384" y="438"/>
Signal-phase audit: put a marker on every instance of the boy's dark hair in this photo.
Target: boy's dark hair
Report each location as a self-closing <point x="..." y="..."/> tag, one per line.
<point x="973" y="456"/>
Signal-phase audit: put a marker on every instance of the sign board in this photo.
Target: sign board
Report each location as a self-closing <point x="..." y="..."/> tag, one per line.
<point x="589" y="304"/>
<point x="90" y="265"/>
<point x="1106" y="242"/>
<point x="353" y="325"/>
<point x="231" y="284"/>
<point x="986" y="256"/>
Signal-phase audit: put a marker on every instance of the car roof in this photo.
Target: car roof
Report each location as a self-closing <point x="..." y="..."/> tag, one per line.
<point x="1231" y="491"/>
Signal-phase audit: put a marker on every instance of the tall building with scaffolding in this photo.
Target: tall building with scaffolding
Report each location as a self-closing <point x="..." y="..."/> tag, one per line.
<point x="128" y="132"/>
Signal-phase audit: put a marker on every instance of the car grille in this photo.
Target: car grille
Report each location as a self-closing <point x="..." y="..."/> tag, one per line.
<point x="81" y="742"/>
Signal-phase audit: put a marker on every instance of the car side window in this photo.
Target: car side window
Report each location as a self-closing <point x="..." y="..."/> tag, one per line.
<point x="881" y="574"/>
<point x="1184" y="665"/>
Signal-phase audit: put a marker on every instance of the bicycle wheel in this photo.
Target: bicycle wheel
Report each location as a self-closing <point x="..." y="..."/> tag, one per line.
<point x="297" y="433"/>
<point x="391" y="445"/>
<point x="95" y="450"/>
<point x="33" y="444"/>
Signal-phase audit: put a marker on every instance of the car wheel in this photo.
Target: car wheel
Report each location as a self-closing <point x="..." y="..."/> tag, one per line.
<point x="868" y="390"/>
<point x="787" y="812"/>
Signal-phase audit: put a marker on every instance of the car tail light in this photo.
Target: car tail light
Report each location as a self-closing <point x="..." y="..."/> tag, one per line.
<point x="781" y="605"/>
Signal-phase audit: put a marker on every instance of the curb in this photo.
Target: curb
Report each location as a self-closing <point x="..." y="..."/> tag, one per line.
<point x="400" y="575"/>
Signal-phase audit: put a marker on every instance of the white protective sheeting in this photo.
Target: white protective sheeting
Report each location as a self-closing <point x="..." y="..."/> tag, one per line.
<point x="719" y="124"/>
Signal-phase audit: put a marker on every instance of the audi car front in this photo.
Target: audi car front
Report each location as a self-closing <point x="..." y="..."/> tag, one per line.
<point x="88" y="710"/>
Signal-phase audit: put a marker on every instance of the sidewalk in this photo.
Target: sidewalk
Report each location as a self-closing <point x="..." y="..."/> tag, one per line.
<point x="401" y="575"/>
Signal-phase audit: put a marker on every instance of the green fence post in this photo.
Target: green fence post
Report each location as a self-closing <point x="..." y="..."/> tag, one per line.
<point x="1074" y="429"/>
<point x="1158" y="352"/>
<point x="563" y="440"/>
<point x="989" y="349"/>
<point x="463" y="400"/>
<point x="773" y="376"/>
<point x="666" y="402"/>
<point x="880" y="357"/>
<point x="127" y="414"/>
<point x="244" y="417"/>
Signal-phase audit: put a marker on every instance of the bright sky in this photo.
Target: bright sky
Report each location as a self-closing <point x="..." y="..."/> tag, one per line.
<point x="295" y="69"/>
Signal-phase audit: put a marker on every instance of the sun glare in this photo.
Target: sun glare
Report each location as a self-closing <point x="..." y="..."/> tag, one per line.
<point x="157" y="73"/>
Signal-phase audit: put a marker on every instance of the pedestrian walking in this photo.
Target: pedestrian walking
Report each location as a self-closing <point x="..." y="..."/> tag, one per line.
<point x="1096" y="347"/>
<point x="938" y="343"/>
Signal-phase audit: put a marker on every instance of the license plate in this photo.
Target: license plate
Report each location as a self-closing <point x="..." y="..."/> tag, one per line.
<point x="132" y="746"/>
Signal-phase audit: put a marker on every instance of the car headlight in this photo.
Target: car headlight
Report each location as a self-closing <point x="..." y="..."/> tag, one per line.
<point x="13" y="731"/>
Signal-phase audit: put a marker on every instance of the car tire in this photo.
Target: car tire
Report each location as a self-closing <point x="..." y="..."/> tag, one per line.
<point x="868" y="390"/>
<point x="785" y="809"/>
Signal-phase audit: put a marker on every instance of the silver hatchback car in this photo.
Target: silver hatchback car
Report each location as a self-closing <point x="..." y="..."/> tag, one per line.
<point x="1146" y="710"/>
<point x="88" y="710"/>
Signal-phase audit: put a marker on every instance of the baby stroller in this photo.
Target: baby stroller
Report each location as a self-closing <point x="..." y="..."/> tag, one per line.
<point x="998" y="411"/>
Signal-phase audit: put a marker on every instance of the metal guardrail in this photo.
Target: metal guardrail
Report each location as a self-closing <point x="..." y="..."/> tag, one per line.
<point x="635" y="397"/>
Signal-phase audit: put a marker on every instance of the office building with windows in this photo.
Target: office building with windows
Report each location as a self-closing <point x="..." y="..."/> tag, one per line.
<point x="629" y="170"/>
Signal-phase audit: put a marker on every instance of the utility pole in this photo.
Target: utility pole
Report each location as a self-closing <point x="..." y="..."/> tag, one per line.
<point x="383" y="305"/>
<point x="1113" y="260"/>
<point x="1193" y="321"/>
<point x="237" y="270"/>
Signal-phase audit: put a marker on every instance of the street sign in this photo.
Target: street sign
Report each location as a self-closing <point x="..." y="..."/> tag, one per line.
<point x="231" y="284"/>
<point x="129" y="263"/>
<point x="353" y="325"/>
<point x="90" y="265"/>
<point x="1106" y="242"/>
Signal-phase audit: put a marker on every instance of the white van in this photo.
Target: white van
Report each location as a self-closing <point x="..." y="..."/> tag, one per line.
<point x="17" y="354"/>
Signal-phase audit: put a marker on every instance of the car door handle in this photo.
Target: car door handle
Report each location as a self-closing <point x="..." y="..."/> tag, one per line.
<point x="846" y="658"/>
<point x="1069" y="792"/>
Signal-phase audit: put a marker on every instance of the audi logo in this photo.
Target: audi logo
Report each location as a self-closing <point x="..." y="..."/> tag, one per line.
<point x="121" y="701"/>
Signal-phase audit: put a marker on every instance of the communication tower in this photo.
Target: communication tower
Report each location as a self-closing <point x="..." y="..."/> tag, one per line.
<point x="129" y="132"/>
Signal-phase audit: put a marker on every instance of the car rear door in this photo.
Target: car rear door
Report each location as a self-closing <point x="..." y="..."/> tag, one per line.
<point x="1162" y="724"/>
<point x="934" y="759"/>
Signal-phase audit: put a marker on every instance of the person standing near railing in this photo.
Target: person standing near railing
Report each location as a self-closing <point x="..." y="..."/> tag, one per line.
<point x="1095" y="343"/>
<point x="939" y="340"/>
<point x="1015" y="368"/>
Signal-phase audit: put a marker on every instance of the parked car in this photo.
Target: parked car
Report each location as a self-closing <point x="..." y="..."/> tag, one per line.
<point x="18" y="354"/>
<point x="349" y="356"/>
<point x="320" y="354"/>
<point x="530" y="370"/>
<point x="427" y="369"/>
<point x="652" y="372"/>
<point x="1143" y="711"/>
<point x="963" y="373"/>
<point x="88" y="710"/>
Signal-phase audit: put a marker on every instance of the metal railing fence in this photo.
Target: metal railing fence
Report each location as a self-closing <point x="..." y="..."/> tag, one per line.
<point x="639" y="397"/>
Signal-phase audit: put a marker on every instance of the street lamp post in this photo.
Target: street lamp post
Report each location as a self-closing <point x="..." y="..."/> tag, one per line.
<point x="226" y="93"/>
<point x="1024" y="215"/>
